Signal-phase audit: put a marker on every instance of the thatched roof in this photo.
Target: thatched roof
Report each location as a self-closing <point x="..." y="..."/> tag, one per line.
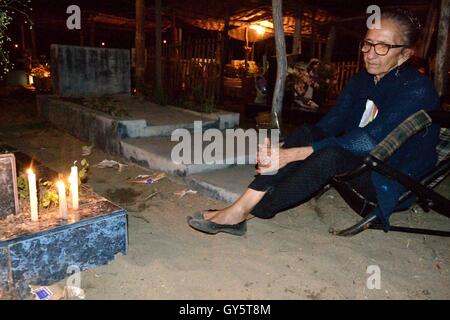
<point x="261" y="17"/>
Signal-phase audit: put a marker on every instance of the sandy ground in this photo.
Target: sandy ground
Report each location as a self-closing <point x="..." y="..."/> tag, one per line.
<point x="289" y="257"/>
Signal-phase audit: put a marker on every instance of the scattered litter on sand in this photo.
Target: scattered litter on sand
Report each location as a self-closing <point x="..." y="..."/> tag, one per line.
<point x="56" y="292"/>
<point x="182" y="193"/>
<point x="86" y="150"/>
<point x="148" y="179"/>
<point x="151" y="196"/>
<point x="110" y="164"/>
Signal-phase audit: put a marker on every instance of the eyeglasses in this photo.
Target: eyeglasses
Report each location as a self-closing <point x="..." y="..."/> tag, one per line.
<point x="381" y="49"/>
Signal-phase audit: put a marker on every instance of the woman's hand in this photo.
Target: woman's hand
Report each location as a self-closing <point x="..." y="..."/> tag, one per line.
<point x="272" y="159"/>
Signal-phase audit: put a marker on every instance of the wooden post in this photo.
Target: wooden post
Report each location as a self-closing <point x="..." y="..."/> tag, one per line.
<point x="442" y="45"/>
<point x="430" y="28"/>
<point x="280" y="47"/>
<point x="224" y="55"/>
<point x="139" y="68"/>
<point x="313" y="34"/>
<point x="91" y="32"/>
<point x="297" y="42"/>
<point x="330" y="44"/>
<point x="175" y="39"/>
<point x="24" y="45"/>
<point x="33" y="42"/>
<point x="158" y="67"/>
<point x="81" y="37"/>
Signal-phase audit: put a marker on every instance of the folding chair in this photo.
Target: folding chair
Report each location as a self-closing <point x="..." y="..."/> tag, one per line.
<point x="426" y="197"/>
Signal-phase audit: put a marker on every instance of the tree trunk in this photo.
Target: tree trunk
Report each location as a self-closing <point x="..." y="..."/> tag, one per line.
<point x="139" y="67"/>
<point x="24" y="45"/>
<point x="297" y="42"/>
<point x="442" y="45"/>
<point x="330" y="44"/>
<point x="33" y="43"/>
<point x="280" y="45"/>
<point x="158" y="48"/>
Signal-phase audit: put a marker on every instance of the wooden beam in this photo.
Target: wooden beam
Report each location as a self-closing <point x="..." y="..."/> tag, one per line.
<point x="158" y="44"/>
<point x="280" y="47"/>
<point x="430" y="28"/>
<point x="139" y="68"/>
<point x="313" y="33"/>
<point x="330" y="44"/>
<point x="441" y="67"/>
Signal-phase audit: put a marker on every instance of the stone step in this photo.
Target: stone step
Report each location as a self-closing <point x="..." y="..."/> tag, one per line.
<point x="157" y="120"/>
<point x="156" y="153"/>
<point x="224" y="185"/>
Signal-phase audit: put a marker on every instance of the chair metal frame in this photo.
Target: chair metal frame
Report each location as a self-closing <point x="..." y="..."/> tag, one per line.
<point x="427" y="198"/>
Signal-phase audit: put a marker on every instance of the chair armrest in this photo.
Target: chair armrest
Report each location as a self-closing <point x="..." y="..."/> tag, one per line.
<point x="408" y="128"/>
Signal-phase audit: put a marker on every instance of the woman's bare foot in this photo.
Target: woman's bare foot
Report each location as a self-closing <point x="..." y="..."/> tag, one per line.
<point x="229" y="215"/>
<point x="238" y="211"/>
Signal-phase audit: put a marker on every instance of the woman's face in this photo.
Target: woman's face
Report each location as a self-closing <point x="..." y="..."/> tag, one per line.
<point x="390" y="33"/>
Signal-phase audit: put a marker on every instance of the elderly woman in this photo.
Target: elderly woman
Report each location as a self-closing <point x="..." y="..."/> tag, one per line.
<point x="374" y="102"/>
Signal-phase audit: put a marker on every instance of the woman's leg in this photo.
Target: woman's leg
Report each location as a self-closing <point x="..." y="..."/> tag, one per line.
<point x="239" y="210"/>
<point x="310" y="176"/>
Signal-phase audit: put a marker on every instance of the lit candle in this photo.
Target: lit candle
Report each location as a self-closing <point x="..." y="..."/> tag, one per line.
<point x="62" y="200"/>
<point x="74" y="186"/>
<point x="33" y="195"/>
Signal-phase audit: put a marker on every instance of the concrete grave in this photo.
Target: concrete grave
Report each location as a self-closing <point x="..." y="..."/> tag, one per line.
<point x="87" y="71"/>
<point x="9" y="203"/>
<point x="42" y="253"/>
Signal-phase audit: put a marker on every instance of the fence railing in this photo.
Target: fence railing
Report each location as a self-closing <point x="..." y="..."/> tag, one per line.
<point x="192" y="66"/>
<point x="344" y="71"/>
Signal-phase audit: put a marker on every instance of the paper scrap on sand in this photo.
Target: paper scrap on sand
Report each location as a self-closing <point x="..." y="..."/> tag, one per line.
<point x="182" y="193"/>
<point x="147" y="179"/>
<point x="110" y="164"/>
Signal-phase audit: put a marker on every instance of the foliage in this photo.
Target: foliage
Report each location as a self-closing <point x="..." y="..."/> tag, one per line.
<point x="83" y="172"/>
<point x="5" y="20"/>
<point x="48" y="195"/>
<point x="106" y="105"/>
<point x="197" y="101"/>
<point x="41" y="71"/>
<point x="48" y="192"/>
<point x="22" y="186"/>
<point x="7" y="9"/>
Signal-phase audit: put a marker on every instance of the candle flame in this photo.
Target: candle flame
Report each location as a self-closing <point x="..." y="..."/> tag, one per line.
<point x="30" y="171"/>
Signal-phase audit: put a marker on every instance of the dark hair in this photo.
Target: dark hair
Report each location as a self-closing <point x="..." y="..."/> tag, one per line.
<point x="408" y="22"/>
